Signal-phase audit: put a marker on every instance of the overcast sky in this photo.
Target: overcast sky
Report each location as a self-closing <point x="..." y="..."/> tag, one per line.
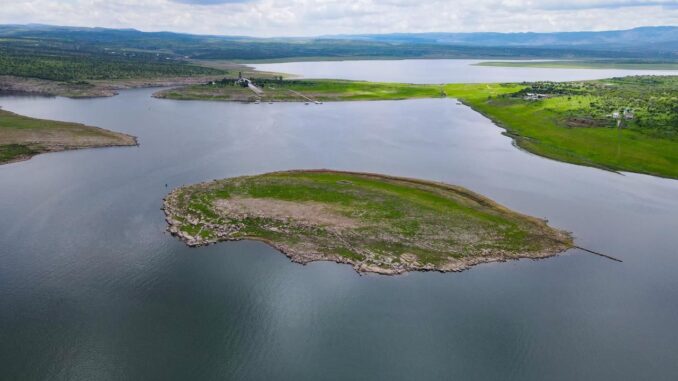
<point x="319" y="17"/>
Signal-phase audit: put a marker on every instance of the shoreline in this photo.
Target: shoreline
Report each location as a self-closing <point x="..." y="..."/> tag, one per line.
<point x="93" y="89"/>
<point x="561" y="244"/>
<point x="570" y="148"/>
<point x="23" y="137"/>
<point x="70" y="148"/>
<point x="361" y="269"/>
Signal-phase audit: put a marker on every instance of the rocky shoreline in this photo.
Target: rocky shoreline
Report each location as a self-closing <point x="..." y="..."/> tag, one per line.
<point x="90" y="89"/>
<point x="369" y="264"/>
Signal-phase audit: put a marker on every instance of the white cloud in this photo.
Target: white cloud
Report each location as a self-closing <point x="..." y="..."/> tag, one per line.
<point x="319" y="17"/>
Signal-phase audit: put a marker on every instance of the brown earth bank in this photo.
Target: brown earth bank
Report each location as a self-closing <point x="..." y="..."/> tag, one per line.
<point x="22" y="137"/>
<point x="91" y="88"/>
<point x="376" y="223"/>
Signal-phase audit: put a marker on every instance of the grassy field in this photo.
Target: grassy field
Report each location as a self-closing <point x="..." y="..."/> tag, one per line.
<point x="320" y="90"/>
<point x="376" y="223"/>
<point x="22" y="137"/>
<point x="573" y="122"/>
<point x="333" y="90"/>
<point x="593" y="64"/>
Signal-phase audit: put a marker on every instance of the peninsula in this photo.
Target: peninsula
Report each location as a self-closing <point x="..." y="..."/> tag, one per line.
<point x="22" y="137"/>
<point x="376" y="223"/>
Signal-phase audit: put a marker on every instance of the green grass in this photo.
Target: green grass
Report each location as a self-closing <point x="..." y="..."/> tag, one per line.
<point x="648" y="144"/>
<point x="383" y="223"/>
<point x="539" y="128"/>
<point x="321" y="90"/>
<point x="11" y="152"/>
<point x="357" y="90"/>
<point x="336" y="90"/>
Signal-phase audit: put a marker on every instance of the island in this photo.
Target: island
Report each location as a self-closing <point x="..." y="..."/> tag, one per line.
<point x="376" y="223"/>
<point x="22" y="137"/>
<point x="618" y="124"/>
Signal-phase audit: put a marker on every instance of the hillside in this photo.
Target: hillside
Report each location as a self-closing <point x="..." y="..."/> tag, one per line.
<point x="172" y="48"/>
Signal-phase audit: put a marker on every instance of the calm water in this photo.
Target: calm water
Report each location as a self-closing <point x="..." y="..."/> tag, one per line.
<point x="441" y="71"/>
<point x="91" y="287"/>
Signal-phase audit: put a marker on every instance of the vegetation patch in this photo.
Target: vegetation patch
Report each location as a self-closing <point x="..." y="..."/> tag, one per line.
<point x="376" y="223"/>
<point x="22" y="137"/>
<point x="281" y="90"/>
<point x="14" y="152"/>
<point x="623" y="124"/>
<point x="53" y="61"/>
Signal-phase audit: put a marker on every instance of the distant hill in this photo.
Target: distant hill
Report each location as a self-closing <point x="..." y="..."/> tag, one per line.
<point x="660" y="37"/>
<point x="655" y="43"/>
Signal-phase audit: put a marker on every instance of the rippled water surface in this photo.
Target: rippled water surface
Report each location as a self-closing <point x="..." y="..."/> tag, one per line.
<point x="91" y="286"/>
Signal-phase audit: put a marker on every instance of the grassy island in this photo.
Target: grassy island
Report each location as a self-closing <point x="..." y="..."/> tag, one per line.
<point x="22" y="137"/>
<point x="621" y="124"/>
<point x="376" y="223"/>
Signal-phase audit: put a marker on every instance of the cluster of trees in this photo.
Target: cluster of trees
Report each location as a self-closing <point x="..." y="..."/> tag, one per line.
<point x="653" y="100"/>
<point x="93" y="65"/>
<point x="554" y="88"/>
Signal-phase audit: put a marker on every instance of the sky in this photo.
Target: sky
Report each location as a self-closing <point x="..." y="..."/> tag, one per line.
<point x="270" y="18"/>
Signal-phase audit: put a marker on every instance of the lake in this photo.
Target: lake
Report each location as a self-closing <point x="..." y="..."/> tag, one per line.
<point x="92" y="287"/>
<point x="434" y="71"/>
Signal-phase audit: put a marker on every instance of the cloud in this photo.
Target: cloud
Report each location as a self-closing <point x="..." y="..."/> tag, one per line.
<point x="211" y="2"/>
<point x="597" y="4"/>
<point x="322" y="17"/>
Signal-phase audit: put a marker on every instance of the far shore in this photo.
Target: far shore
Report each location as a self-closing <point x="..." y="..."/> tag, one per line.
<point x="90" y="89"/>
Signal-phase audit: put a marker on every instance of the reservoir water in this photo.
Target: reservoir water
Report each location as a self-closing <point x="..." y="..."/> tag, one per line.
<point x="440" y="71"/>
<point x="91" y="286"/>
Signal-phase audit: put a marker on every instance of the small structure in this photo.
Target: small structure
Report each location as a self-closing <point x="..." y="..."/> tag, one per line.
<point x="620" y="117"/>
<point x="246" y="82"/>
<point x="535" y="96"/>
<point x="242" y="81"/>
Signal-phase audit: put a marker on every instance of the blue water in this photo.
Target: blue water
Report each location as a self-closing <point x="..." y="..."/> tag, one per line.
<point x="441" y="71"/>
<point x="91" y="286"/>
